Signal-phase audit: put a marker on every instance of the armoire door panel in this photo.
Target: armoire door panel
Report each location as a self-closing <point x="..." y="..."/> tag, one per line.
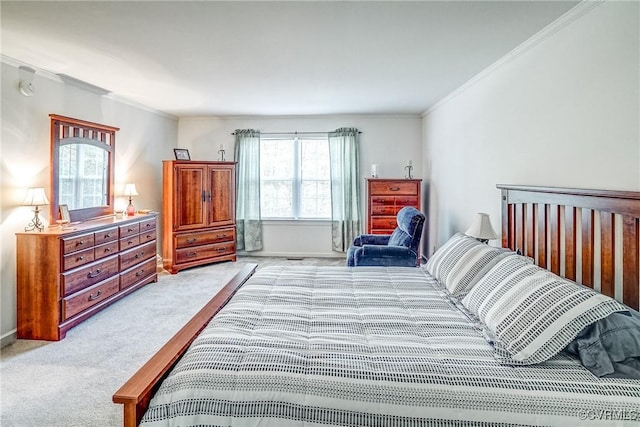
<point x="191" y="191"/>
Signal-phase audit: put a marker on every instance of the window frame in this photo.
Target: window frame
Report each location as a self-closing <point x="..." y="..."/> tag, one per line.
<point x="296" y="180"/>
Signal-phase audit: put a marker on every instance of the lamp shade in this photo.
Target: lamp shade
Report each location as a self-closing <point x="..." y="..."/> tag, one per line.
<point x="35" y="197"/>
<point x="130" y="190"/>
<point x="481" y="228"/>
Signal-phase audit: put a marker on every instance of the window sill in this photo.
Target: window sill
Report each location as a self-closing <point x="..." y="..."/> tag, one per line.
<point x="297" y="222"/>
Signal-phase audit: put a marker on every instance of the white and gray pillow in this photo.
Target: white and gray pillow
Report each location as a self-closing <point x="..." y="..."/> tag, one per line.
<point x="462" y="261"/>
<point x="532" y="312"/>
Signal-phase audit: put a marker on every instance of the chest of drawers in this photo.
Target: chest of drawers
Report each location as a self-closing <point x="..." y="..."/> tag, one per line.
<point x="385" y="197"/>
<point x="66" y="276"/>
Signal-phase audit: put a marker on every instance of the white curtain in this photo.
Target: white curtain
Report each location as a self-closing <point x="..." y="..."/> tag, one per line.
<point x="345" y="187"/>
<point x="249" y="225"/>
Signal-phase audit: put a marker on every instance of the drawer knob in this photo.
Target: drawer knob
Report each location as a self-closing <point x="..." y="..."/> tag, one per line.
<point x="96" y="296"/>
<point x="106" y="236"/>
<point x="219" y="236"/>
<point x="191" y="254"/>
<point x="149" y="236"/>
<point x="130" y="229"/>
<point x="394" y="188"/>
<point x="80" y="243"/>
<point x="80" y="258"/>
<point x="139" y="255"/>
<point x="107" y="250"/>
<point x="139" y="273"/>
<point x="221" y="249"/>
<point x="148" y="225"/>
<point x="130" y="242"/>
<point x="96" y="274"/>
<point x="192" y="240"/>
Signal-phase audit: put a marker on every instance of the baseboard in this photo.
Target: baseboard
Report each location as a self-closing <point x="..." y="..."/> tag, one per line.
<point x="8" y="338"/>
<point x="296" y="255"/>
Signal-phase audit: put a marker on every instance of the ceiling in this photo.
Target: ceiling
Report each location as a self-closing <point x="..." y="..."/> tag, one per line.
<point x="189" y="58"/>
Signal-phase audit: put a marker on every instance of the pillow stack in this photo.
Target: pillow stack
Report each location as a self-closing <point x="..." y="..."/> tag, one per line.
<point x="530" y="313"/>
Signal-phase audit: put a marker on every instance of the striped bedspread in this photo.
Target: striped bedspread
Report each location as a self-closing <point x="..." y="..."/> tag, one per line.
<point x="369" y="346"/>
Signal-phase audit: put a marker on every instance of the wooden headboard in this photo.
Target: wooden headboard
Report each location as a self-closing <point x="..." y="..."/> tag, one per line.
<point x="589" y="236"/>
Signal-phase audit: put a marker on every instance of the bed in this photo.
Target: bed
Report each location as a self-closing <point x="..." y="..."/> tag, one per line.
<point x="410" y="346"/>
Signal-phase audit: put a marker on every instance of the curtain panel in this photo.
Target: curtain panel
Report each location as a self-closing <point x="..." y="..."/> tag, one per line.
<point x="345" y="187"/>
<point x="249" y="224"/>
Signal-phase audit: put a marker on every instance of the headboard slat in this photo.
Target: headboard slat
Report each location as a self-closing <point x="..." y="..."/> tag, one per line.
<point x="557" y="228"/>
<point x="570" y="242"/>
<point x="587" y="247"/>
<point x="542" y="235"/>
<point x="607" y="254"/>
<point x="554" y="242"/>
<point x="631" y="259"/>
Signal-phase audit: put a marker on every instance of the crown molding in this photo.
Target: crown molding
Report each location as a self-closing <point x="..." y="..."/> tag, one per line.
<point x="559" y="24"/>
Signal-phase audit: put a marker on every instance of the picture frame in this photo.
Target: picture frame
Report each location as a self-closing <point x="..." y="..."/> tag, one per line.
<point x="64" y="213"/>
<point x="181" y="154"/>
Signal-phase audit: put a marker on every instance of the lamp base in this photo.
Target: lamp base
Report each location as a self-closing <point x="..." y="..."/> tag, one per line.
<point x="131" y="211"/>
<point x="35" y="223"/>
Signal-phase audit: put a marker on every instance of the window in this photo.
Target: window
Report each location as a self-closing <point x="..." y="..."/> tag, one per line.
<point x="294" y="178"/>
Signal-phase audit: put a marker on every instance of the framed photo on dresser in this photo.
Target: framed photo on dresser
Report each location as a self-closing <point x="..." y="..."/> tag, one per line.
<point x="181" y="154"/>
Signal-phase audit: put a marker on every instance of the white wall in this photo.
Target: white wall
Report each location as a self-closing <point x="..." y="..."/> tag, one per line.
<point x="562" y="111"/>
<point x="389" y="141"/>
<point x="144" y="139"/>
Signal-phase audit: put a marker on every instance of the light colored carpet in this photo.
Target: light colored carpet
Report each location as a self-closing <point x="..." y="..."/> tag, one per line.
<point x="70" y="382"/>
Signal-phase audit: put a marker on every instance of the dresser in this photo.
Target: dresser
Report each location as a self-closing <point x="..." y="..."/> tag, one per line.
<point x="385" y="197"/>
<point x="64" y="276"/>
<point x="198" y="213"/>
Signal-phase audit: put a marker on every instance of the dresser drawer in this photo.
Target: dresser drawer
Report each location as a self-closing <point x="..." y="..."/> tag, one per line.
<point x="147" y="224"/>
<point x="407" y="201"/>
<point x="104" y="236"/>
<point x="77" y="259"/>
<point x="384" y="222"/>
<point x="187" y="240"/>
<point x="205" y="251"/>
<point x="129" y="242"/>
<point x="394" y="188"/>
<point x="129" y="229"/>
<point x="385" y="210"/>
<point x="137" y="273"/>
<point x="80" y="278"/>
<point x="80" y="301"/>
<point x="383" y="201"/>
<point x="136" y="255"/>
<point x="106" y="250"/>
<point x="147" y="235"/>
<point x="78" y="243"/>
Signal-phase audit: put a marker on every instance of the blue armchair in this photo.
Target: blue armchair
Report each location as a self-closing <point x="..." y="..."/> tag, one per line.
<point x="397" y="249"/>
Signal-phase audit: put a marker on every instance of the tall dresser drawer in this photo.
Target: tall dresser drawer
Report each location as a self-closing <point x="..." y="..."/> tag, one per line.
<point x="137" y="273"/>
<point x="394" y="188"/>
<point x="384" y="222"/>
<point x="80" y="278"/>
<point x="80" y="301"/>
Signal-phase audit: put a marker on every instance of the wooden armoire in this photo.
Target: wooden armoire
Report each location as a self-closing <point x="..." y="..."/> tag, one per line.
<point x="198" y="213"/>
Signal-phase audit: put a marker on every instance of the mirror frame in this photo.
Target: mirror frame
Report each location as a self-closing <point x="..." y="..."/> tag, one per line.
<point x="101" y="135"/>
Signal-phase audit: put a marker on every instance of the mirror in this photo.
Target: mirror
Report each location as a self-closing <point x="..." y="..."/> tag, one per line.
<point x="82" y="168"/>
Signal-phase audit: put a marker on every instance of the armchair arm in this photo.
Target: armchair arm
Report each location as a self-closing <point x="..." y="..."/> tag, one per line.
<point x="372" y="255"/>
<point x="371" y="239"/>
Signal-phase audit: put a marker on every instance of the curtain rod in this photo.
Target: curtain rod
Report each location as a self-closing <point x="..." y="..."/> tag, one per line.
<point x="290" y="133"/>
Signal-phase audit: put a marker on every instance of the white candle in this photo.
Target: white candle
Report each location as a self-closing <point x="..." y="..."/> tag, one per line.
<point x="221" y="147"/>
<point x="410" y="163"/>
<point x="374" y="171"/>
